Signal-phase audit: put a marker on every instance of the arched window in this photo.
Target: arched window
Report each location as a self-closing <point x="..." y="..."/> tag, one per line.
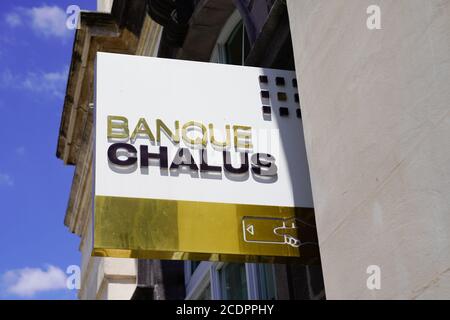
<point x="233" y="45"/>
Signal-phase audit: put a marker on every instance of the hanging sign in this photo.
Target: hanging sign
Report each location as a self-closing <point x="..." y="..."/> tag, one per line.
<point x="198" y="161"/>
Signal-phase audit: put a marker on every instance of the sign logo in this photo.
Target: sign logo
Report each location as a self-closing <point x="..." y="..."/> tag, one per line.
<point x="270" y="231"/>
<point x="132" y="154"/>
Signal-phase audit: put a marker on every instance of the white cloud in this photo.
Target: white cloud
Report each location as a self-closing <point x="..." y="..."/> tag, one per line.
<point x="52" y="83"/>
<point x="27" y="282"/>
<point x="47" y="21"/>
<point x="13" y="19"/>
<point x="20" y="151"/>
<point x="50" y="21"/>
<point x="6" y="180"/>
<point x="7" y="79"/>
<point x="46" y="82"/>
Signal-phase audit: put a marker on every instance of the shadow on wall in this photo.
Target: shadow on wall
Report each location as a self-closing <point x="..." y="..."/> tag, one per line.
<point x="304" y="282"/>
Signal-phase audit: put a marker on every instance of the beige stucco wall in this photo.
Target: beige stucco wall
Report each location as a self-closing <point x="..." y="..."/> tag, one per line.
<point x="376" y="113"/>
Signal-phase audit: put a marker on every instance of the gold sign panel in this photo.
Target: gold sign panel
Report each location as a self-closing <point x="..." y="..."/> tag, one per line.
<point x="189" y="230"/>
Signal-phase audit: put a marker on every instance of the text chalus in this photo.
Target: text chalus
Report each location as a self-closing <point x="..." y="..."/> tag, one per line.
<point x="124" y="152"/>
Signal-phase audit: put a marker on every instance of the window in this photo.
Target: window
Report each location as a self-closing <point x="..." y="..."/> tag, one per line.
<point x="266" y="282"/>
<point x="198" y="280"/>
<point x="233" y="45"/>
<point x="233" y="282"/>
<point x="206" y="293"/>
<point x="237" y="46"/>
<point x="194" y="265"/>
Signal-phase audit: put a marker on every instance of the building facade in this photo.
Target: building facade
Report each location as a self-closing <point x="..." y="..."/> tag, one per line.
<point x="375" y="112"/>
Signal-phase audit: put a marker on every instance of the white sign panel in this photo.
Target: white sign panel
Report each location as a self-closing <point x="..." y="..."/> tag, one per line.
<point x="191" y="131"/>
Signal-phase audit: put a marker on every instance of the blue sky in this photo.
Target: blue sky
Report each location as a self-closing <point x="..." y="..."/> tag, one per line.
<point x="36" y="247"/>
